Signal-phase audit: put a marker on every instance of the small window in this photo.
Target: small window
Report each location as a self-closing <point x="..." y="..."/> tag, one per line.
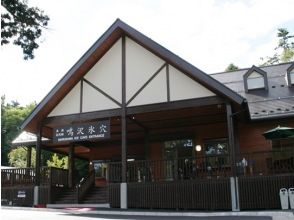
<point x="255" y="78"/>
<point x="255" y="81"/>
<point x="290" y="75"/>
<point x="216" y="153"/>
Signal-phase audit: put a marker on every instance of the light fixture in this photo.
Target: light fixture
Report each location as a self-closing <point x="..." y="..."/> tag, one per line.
<point x="198" y="147"/>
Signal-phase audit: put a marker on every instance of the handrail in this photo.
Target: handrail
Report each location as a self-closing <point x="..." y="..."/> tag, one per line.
<point x="84" y="185"/>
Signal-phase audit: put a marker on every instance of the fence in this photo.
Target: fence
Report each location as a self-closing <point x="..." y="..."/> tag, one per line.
<point x="17" y="185"/>
<point x="172" y="170"/>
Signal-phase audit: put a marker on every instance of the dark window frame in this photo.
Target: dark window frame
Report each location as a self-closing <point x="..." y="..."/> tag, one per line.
<point x="289" y="70"/>
<point x="249" y="72"/>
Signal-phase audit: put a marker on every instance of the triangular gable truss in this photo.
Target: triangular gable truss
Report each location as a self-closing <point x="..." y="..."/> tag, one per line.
<point x="78" y="73"/>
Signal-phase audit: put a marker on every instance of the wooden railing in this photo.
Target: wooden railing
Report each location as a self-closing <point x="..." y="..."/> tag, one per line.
<point x="26" y="176"/>
<point x="84" y="185"/>
<point x="18" y="176"/>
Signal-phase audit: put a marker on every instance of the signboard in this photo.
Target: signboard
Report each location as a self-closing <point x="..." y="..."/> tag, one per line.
<point x="21" y="194"/>
<point x="82" y="132"/>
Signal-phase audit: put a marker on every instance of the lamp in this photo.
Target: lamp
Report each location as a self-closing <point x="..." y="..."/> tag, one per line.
<point x="198" y="147"/>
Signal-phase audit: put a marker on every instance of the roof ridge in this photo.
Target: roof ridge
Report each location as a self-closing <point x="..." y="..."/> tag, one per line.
<point x="261" y="67"/>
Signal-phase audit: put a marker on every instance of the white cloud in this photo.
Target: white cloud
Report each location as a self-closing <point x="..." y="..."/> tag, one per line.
<point x="210" y="34"/>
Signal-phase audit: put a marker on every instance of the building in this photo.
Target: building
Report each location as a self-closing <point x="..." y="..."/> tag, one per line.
<point x="160" y="133"/>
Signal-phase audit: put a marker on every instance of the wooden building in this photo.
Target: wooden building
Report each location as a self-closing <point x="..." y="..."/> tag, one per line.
<point x="160" y="133"/>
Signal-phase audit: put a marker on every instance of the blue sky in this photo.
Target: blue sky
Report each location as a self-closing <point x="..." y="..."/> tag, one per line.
<point x="210" y="34"/>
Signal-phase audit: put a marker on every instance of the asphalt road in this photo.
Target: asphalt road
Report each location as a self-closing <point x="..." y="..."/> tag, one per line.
<point x="12" y="214"/>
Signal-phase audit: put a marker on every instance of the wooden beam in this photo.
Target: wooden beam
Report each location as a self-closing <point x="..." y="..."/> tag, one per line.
<point x="176" y="105"/>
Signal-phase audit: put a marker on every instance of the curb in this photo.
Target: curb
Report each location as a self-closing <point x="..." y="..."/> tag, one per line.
<point x="287" y="214"/>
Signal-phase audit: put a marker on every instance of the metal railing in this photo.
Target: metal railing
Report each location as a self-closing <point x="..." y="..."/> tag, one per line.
<point x="170" y="170"/>
<point x="84" y="185"/>
<point x="247" y="164"/>
<point x="265" y="163"/>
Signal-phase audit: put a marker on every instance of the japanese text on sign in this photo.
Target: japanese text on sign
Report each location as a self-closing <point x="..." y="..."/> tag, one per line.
<point x="82" y="132"/>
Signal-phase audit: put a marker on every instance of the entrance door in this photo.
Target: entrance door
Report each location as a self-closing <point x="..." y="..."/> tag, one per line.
<point x="177" y="155"/>
<point x="101" y="173"/>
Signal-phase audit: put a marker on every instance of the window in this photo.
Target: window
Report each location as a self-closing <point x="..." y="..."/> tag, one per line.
<point x="216" y="153"/>
<point x="290" y="75"/>
<point x="255" y="78"/>
<point x="255" y="81"/>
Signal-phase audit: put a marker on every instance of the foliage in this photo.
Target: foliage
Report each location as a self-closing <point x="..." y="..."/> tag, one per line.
<point x="23" y="25"/>
<point x="81" y="168"/>
<point x="231" y="67"/>
<point x="12" y="116"/>
<point x="18" y="157"/>
<point x="57" y="161"/>
<point x="284" y="52"/>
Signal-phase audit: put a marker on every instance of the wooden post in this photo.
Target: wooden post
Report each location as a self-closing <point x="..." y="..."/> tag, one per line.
<point x="38" y="156"/>
<point x="123" y="188"/>
<point x="71" y="162"/>
<point x="38" y="166"/>
<point x="146" y="143"/>
<point x="232" y="142"/>
<point x="29" y="156"/>
<point x="231" y="137"/>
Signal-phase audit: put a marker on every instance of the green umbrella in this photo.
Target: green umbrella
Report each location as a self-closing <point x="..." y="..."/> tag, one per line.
<point x="279" y="133"/>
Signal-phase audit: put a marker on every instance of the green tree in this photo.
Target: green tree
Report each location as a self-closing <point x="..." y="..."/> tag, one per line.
<point x="58" y="161"/>
<point x="18" y="157"/>
<point x="12" y="116"/>
<point x="231" y="67"/>
<point x="23" y="25"/>
<point x="284" y="52"/>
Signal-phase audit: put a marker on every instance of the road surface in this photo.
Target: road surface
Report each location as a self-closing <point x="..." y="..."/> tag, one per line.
<point x="13" y="214"/>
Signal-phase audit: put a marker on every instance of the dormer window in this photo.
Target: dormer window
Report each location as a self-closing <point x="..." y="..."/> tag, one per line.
<point x="290" y="75"/>
<point x="255" y="78"/>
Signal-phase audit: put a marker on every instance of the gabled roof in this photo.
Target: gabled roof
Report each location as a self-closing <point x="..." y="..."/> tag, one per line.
<point x="99" y="48"/>
<point x="276" y="102"/>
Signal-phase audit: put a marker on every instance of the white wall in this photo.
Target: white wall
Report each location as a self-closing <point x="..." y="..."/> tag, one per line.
<point x="182" y="87"/>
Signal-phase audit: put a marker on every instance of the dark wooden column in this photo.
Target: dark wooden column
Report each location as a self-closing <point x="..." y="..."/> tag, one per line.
<point x="231" y="136"/>
<point x="71" y="165"/>
<point x="29" y="156"/>
<point x="38" y="155"/>
<point x="146" y="144"/>
<point x="232" y="144"/>
<point x="123" y="185"/>
<point x="123" y="115"/>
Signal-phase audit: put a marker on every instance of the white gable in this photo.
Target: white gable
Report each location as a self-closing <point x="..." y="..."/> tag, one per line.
<point x="141" y="64"/>
<point x="154" y="92"/>
<point x="183" y="87"/>
<point x="107" y="74"/>
<point x="95" y="101"/>
<point x="70" y="104"/>
<point x="146" y="82"/>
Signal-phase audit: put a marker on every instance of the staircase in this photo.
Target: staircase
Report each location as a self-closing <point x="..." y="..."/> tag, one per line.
<point x="96" y="195"/>
<point x="68" y="196"/>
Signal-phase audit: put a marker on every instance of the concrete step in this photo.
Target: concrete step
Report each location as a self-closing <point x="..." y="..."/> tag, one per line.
<point x="64" y="205"/>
